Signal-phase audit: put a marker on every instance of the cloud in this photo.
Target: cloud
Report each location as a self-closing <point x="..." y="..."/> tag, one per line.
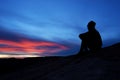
<point x="14" y="43"/>
<point x="31" y="47"/>
<point x="9" y="35"/>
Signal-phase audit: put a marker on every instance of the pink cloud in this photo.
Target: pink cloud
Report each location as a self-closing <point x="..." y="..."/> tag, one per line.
<point x="29" y="47"/>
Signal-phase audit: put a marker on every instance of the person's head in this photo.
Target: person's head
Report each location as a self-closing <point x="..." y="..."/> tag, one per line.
<point x="91" y="25"/>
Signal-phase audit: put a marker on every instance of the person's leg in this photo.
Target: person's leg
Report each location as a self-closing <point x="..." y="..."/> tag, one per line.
<point x="83" y="47"/>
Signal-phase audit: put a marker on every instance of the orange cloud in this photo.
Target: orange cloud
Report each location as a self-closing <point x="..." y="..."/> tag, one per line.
<point x="32" y="47"/>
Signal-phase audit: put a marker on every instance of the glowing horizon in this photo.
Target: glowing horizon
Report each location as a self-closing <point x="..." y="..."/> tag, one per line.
<point x="18" y="56"/>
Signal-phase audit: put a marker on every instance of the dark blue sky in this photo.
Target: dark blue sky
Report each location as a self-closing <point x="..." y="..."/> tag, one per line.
<point x="59" y="21"/>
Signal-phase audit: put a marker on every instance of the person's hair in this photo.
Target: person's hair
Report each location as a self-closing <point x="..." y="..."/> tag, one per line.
<point x="91" y="25"/>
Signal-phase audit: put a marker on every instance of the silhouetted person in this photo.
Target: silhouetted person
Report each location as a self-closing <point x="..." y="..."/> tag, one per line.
<point x="91" y="40"/>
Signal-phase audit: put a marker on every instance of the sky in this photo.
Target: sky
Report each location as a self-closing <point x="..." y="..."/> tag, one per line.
<point x="51" y="27"/>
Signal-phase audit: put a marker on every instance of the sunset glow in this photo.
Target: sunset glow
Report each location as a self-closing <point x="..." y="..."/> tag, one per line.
<point x="30" y="47"/>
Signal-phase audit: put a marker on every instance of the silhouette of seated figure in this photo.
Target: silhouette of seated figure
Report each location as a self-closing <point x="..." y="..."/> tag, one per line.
<point x="91" y="40"/>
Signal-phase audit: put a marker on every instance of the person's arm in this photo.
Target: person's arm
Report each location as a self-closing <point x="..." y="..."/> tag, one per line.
<point x="82" y="36"/>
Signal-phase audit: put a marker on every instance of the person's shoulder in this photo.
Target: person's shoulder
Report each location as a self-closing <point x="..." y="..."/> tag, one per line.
<point x="97" y="31"/>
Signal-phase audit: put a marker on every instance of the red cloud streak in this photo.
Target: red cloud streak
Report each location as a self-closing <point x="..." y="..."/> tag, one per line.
<point x="28" y="46"/>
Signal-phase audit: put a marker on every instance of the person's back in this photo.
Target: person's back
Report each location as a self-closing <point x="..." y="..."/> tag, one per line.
<point x="94" y="40"/>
